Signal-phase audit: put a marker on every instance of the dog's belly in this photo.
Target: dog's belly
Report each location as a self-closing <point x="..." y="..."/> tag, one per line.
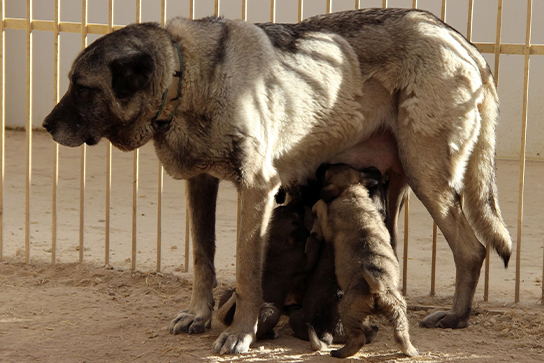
<point x="380" y="151"/>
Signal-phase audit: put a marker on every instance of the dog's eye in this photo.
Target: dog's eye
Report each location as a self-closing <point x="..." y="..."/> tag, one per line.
<point x="81" y="89"/>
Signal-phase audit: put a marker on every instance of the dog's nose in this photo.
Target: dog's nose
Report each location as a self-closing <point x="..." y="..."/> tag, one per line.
<point x="48" y="126"/>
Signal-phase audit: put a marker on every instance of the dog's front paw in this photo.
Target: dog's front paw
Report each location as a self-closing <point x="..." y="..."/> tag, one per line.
<point x="444" y="319"/>
<point x="189" y="322"/>
<point x="232" y="342"/>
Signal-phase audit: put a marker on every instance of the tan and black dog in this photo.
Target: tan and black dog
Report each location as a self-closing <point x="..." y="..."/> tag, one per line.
<point x="261" y="105"/>
<point x="366" y="265"/>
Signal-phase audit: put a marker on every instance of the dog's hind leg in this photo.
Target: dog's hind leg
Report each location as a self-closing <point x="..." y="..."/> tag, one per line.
<point x="393" y="306"/>
<point x="353" y="309"/>
<point x="202" y="196"/>
<point x="437" y="180"/>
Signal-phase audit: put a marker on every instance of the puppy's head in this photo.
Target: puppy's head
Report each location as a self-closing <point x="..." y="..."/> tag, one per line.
<point x="112" y="92"/>
<point x="339" y="177"/>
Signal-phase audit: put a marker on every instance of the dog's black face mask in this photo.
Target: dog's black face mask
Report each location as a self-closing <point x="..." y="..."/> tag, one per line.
<point x="108" y="96"/>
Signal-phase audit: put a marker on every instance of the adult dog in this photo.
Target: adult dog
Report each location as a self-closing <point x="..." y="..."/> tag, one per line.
<point x="265" y="104"/>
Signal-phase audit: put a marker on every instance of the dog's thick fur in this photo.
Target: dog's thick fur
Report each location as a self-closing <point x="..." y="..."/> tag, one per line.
<point x="267" y="104"/>
<point x="365" y="263"/>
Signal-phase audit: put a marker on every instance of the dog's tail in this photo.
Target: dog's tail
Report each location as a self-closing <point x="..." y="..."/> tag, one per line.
<point x="481" y="203"/>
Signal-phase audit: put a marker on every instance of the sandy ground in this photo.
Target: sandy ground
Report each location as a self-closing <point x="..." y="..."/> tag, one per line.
<point x="72" y="312"/>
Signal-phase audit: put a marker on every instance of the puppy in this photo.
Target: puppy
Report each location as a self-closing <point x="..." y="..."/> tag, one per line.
<point x="318" y="319"/>
<point x="285" y="265"/>
<point x="366" y="266"/>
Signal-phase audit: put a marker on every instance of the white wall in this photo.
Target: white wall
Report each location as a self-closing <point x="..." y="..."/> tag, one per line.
<point x="485" y="14"/>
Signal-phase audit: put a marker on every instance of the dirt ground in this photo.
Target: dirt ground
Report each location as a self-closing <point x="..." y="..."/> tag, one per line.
<point x="71" y="312"/>
<point x="82" y="313"/>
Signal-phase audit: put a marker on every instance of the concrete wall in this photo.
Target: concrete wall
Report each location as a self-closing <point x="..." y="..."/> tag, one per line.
<point x="485" y="14"/>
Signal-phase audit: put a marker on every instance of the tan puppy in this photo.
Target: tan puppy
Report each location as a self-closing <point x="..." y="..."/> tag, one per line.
<point x="366" y="266"/>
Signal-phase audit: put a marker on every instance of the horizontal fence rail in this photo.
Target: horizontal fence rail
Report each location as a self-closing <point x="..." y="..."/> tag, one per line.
<point x="102" y="29"/>
<point x="84" y="28"/>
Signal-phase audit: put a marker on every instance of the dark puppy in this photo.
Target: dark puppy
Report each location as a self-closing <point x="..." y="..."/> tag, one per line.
<point x="285" y="262"/>
<point x="318" y="320"/>
<point x="366" y="266"/>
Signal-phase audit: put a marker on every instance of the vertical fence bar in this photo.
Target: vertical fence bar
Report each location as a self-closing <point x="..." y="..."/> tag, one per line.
<point x="28" y="126"/>
<point x="83" y="156"/>
<point x="2" y="124"/>
<point x="56" y="95"/>
<point x="160" y="178"/>
<point x="405" y="252"/>
<point x="496" y="77"/>
<point x="384" y="4"/>
<point x="414" y="4"/>
<point x="244" y="10"/>
<point x="329" y="6"/>
<point x="108" y="165"/>
<point x="435" y="227"/>
<point x="300" y="10"/>
<point x="469" y="20"/>
<point x="523" y="144"/>
<point x="135" y="175"/>
<point x="272" y="11"/>
<point x="357" y="4"/>
<point x="160" y="184"/>
<point x="498" y="43"/>
<point x="217" y="6"/>
<point x="187" y="213"/>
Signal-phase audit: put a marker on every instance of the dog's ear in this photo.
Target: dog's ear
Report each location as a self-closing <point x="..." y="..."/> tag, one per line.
<point x="131" y="74"/>
<point x="329" y="193"/>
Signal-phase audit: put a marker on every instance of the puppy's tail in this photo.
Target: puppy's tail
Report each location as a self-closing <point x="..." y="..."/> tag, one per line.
<point x="227" y="307"/>
<point x="376" y="286"/>
<point x="481" y="204"/>
<point x="315" y="342"/>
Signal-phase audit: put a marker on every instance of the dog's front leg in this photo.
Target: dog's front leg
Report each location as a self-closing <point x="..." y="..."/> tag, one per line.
<point x="255" y="213"/>
<point x="202" y="196"/>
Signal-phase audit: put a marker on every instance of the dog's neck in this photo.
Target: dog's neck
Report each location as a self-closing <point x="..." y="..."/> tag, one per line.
<point x="171" y="94"/>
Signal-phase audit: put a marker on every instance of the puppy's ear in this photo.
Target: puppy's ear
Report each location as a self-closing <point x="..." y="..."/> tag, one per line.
<point x="131" y="74"/>
<point x="369" y="183"/>
<point x="329" y="193"/>
<point x="320" y="172"/>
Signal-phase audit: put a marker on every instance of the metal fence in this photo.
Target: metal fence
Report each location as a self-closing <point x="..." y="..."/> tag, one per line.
<point x="32" y="24"/>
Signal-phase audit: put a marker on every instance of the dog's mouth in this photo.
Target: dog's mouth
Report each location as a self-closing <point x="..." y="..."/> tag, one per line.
<point x="91" y="141"/>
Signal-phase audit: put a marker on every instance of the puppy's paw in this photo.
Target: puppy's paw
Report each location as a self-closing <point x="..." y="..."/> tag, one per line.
<point x="189" y="322"/>
<point x="232" y="342"/>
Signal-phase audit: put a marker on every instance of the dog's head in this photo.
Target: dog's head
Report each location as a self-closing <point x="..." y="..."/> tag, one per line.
<point x="113" y="90"/>
<point x="338" y="177"/>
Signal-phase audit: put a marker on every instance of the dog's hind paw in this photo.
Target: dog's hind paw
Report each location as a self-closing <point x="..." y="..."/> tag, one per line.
<point x="444" y="319"/>
<point x="188" y="322"/>
<point x="232" y="343"/>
